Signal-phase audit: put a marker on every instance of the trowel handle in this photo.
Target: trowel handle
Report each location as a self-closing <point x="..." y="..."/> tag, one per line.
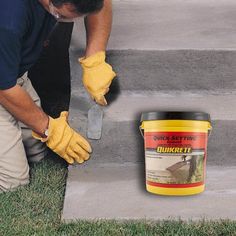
<point x="141" y="130"/>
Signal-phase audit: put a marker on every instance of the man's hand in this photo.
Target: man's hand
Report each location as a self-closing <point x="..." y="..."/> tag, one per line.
<point x="97" y="76"/>
<point x="64" y="141"/>
<point x="61" y="139"/>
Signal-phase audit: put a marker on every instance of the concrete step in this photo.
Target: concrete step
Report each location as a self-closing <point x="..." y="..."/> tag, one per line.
<point x="121" y="140"/>
<point x="169" y="24"/>
<point x="180" y="70"/>
<point x="110" y="191"/>
<point x="169" y="55"/>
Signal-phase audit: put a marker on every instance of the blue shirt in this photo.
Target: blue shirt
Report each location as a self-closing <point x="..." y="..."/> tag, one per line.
<point x="24" y="26"/>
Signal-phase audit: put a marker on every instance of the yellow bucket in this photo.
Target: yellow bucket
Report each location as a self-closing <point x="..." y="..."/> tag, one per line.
<point x="175" y="151"/>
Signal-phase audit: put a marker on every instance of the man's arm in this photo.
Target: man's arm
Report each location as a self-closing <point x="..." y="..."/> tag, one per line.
<point x="97" y="74"/>
<point x="21" y="106"/>
<point x="98" y="28"/>
<point x="62" y="139"/>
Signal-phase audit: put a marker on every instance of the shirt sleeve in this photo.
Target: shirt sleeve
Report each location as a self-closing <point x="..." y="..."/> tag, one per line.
<point x="10" y="50"/>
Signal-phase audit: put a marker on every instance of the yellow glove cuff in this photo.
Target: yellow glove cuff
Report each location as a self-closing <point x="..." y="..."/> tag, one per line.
<point x="93" y="60"/>
<point x="63" y="115"/>
<point x="38" y="137"/>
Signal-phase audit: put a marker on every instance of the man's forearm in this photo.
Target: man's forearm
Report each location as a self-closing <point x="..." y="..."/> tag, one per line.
<point x="98" y="28"/>
<point x="21" y="106"/>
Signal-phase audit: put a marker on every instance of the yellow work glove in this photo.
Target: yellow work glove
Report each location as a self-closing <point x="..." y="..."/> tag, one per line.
<point x="97" y="76"/>
<point x="64" y="141"/>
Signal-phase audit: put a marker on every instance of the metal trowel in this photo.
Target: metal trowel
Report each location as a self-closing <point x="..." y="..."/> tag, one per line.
<point x="178" y="165"/>
<point x="95" y="117"/>
<point x="95" y="113"/>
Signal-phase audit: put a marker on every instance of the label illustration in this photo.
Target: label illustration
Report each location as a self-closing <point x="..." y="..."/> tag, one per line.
<point x="175" y="159"/>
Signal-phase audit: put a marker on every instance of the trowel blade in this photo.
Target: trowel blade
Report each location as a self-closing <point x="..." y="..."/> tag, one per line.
<point x="176" y="166"/>
<point x="94" y="126"/>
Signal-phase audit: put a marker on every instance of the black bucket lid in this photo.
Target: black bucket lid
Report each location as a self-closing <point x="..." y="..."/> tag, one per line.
<point x="175" y="115"/>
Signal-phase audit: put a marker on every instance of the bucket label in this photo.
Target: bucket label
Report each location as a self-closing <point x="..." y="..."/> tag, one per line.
<point x="175" y="159"/>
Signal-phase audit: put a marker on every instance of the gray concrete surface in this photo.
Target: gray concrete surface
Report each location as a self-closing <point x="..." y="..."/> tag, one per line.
<point x="169" y="70"/>
<point x="118" y="192"/>
<point x="129" y="105"/>
<point x="182" y="57"/>
<point x="169" y="24"/>
<point x="121" y="140"/>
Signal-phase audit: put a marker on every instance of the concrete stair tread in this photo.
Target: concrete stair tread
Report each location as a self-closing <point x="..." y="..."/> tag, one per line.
<point x="129" y="105"/>
<point x="169" y="24"/>
<point x="117" y="191"/>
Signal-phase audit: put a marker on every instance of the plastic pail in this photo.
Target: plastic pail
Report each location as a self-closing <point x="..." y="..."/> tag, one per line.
<point x="175" y="151"/>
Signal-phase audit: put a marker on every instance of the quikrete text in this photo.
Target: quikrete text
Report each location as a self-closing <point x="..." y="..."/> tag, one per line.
<point x="174" y="149"/>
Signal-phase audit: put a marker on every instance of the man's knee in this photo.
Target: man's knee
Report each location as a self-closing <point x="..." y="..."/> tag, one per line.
<point x="35" y="149"/>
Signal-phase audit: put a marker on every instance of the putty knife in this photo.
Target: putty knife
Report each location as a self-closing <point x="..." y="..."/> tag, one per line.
<point x="95" y="113"/>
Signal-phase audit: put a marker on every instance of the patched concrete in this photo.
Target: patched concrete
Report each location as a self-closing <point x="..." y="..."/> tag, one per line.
<point x="118" y="192"/>
<point x="169" y="24"/>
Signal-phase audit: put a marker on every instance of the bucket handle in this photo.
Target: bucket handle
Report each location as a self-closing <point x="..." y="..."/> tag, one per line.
<point x="140" y="129"/>
<point x="209" y="130"/>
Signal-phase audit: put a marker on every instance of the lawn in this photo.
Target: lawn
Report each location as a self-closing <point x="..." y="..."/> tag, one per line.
<point x="36" y="210"/>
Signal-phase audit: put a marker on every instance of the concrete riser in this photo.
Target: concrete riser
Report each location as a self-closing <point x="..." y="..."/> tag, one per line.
<point x="179" y="70"/>
<point x="122" y="142"/>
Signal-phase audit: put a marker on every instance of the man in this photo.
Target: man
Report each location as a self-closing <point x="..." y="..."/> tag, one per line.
<point x="24" y="26"/>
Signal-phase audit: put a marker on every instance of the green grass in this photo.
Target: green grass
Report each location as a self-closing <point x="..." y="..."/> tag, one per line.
<point x="36" y="210"/>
